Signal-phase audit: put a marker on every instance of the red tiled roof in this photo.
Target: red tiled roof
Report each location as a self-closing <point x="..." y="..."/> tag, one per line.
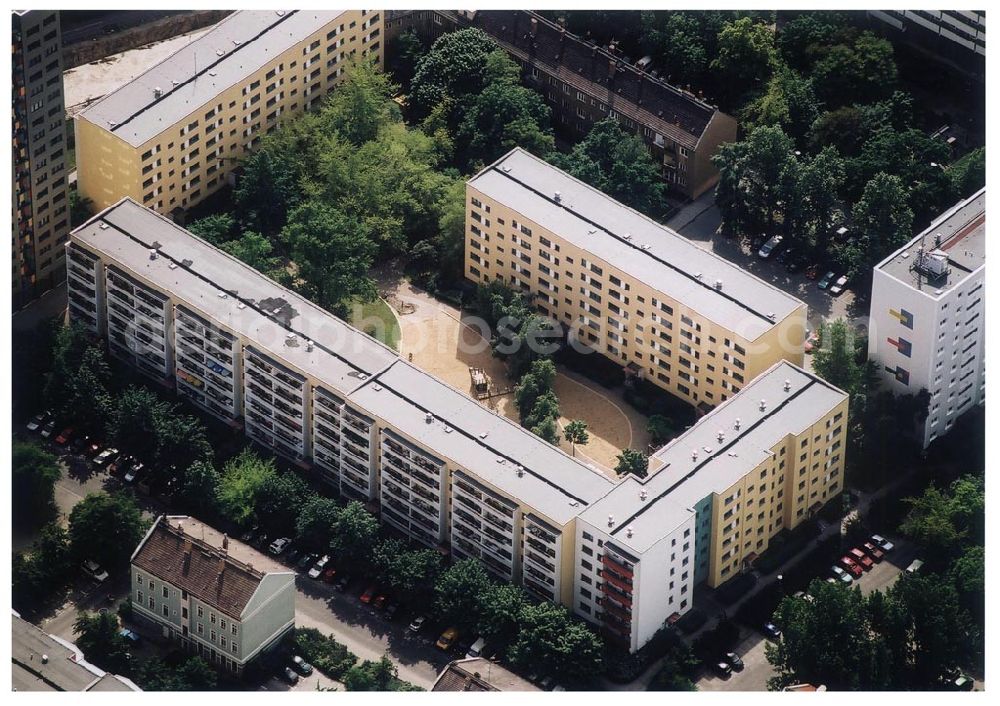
<point x="198" y="568"/>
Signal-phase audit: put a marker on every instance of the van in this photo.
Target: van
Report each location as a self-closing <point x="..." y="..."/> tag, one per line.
<point x="914" y="566"/>
<point x="476" y="650"/>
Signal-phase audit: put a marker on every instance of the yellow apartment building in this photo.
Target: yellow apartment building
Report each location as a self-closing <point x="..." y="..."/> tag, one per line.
<point x="174" y="135"/>
<point x="625" y="286"/>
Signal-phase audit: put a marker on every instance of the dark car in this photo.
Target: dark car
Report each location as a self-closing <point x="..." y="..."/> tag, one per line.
<point x="368" y="594"/>
<point x="342" y="583"/>
<point x="289" y="676"/>
<point x="49" y="429"/>
<point x="305" y="561"/>
<point x="734" y="661"/>
<point x="129" y="635"/>
<point x="722" y="669"/>
<point x="301" y="666"/>
<point x="329" y="574"/>
<point x="380" y="600"/>
<point x="392" y="609"/>
<point x="771" y="630"/>
<point x="64" y="436"/>
<point x="795" y="264"/>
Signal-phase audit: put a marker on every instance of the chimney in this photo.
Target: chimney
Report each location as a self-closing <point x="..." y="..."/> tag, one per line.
<point x="157" y="92"/>
<point x="628" y="532"/>
<point x="643" y="494"/>
<point x="721" y="435"/>
<point x="428" y="417"/>
<point x="611" y="520"/>
<point x="763" y="405"/>
<point x="558" y="197"/>
<point x="718" y="284"/>
<point x="225" y="544"/>
<point x="736" y="424"/>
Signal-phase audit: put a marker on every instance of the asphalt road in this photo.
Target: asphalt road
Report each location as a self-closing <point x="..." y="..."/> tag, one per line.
<point x="79" y="28"/>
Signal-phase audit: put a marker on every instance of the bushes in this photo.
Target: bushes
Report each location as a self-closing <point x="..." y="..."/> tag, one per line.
<point x="323" y="652"/>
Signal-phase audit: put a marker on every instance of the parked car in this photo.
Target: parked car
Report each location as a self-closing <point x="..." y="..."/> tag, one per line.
<point x="292" y="555"/>
<point x="956" y="681"/>
<point x="722" y="669"/>
<point x="317" y="569"/>
<point x="289" y="676"/>
<point x="368" y="594"/>
<point x="380" y="600"/>
<point x="278" y="546"/>
<point x="92" y="569"/>
<point x="64" y="436"/>
<point x="49" y="429"/>
<point x="839" y="286"/>
<point x="329" y="574"/>
<point x="795" y="263"/>
<point x="342" y="583"/>
<point x="447" y="639"/>
<point x="812" y="272"/>
<point x="768" y="248"/>
<point x="305" y="561"/>
<point x="851" y="566"/>
<point x="106" y="457"/>
<point x="476" y="648"/>
<point x="841" y="574"/>
<point x="827" y="280"/>
<point x="734" y="661"/>
<point x="38" y="421"/>
<point x="130" y="636"/>
<point x="417" y="624"/>
<point x="874" y="552"/>
<point x="771" y="630"/>
<point x="914" y="566"/>
<point x="882" y="543"/>
<point x="812" y="342"/>
<point x="861" y="558"/>
<point x="392" y="609"/>
<point x="301" y="666"/>
<point x="786" y="254"/>
<point x="93" y="447"/>
<point x="135" y="470"/>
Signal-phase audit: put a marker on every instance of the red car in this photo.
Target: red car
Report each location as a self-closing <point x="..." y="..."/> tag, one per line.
<point x="380" y="601"/>
<point x="861" y="558"/>
<point x="851" y="566"/>
<point x="369" y="593"/>
<point x="329" y="573"/>
<point x="64" y="436"/>
<point x="812" y="272"/>
<point x="874" y="552"/>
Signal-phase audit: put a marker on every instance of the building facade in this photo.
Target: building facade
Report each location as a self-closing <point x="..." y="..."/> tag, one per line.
<point x="927" y="320"/>
<point x="957" y="35"/>
<point x="430" y="460"/>
<point x="585" y="83"/>
<point x="625" y="286"/>
<point x="175" y="134"/>
<point x="40" y="204"/>
<point x="199" y="594"/>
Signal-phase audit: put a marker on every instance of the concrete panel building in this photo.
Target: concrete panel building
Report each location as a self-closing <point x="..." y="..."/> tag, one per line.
<point x="625" y="286"/>
<point x="175" y="134"/>
<point x="430" y="460"/>
<point x="928" y="309"/>
<point x="40" y="206"/>
<point x="218" y="599"/>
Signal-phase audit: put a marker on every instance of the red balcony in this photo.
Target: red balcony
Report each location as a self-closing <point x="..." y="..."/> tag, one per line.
<point x="618" y="567"/>
<point x="611" y="608"/>
<point x="615" y="580"/>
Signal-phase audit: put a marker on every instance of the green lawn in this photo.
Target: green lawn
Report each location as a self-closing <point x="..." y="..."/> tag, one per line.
<point x="376" y="319"/>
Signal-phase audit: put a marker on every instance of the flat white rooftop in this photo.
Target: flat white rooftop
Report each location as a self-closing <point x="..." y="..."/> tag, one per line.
<point x="224" y="56"/>
<point x="637" y="245"/>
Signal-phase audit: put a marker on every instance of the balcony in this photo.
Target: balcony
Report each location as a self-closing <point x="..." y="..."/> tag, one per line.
<point x="619" y="566"/>
<point x="616" y="581"/>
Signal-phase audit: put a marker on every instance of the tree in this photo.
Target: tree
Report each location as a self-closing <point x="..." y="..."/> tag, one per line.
<point x="835" y="360"/>
<point x="942" y="521"/>
<point x="968" y="574"/>
<point x="576" y="433"/>
<point x="80" y="209"/>
<point x="333" y="260"/>
<point x="632" y="461"/>
<point x="106" y="528"/>
<point x="968" y="174"/>
<point x="679" y="666"/>
<point x="100" y="641"/>
<point x="362" y="104"/>
<point x="217" y="229"/>
<point x="409" y="572"/>
<point x="803" y="39"/>
<point x="538" y="381"/>
<point x="821" y="179"/>
<point x="88" y="402"/>
<point x="450" y="241"/>
<point x="316" y="523"/>
<point x="278" y="501"/>
<point x="200" y="489"/>
<point x="43" y="571"/>
<point x="883" y="222"/>
<point x="546" y="407"/>
<point x="546" y="429"/>
<point x="500" y="609"/>
<point x="375" y="676"/>
<point x="554" y="643"/>
<point x="65" y="391"/>
<point x="242" y="478"/>
<point x="660" y="429"/>
<point x="789" y="102"/>
<point x="34" y="474"/>
<point x="746" y="57"/>
<point x="676" y="44"/>
<point x="258" y="252"/>
<point x="453" y="68"/>
<point x="405" y="56"/>
<point x="617" y="163"/>
<point x="843" y="129"/>
<point x="354" y="534"/>
<point x="458" y="592"/>
<point x="861" y="72"/>
<point x="268" y="187"/>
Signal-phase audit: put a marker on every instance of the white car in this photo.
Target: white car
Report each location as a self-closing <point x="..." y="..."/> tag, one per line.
<point x="842" y="575"/>
<point x="837" y="288"/>
<point x="37" y="421"/>
<point x="105" y="457"/>
<point x="882" y="543"/>
<point x="767" y="248"/>
<point x="418" y="623"/>
<point x="318" y="567"/>
<point x="94" y="571"/>
<point x="279" y="545"/>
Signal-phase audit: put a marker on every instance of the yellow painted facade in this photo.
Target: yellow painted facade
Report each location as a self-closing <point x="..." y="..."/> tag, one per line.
<point x="195" y="157"/>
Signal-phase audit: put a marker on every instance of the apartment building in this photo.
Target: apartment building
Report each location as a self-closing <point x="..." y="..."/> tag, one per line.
<point x="40" y="219"/>
<point x="175" y="134"/>
<point x="436" y="465"/>
<point x="927" y="328"/>
<point x="585" y="83"/>
<point x="955" y="35"/>
<point x="625" y="286"/>
<point x="218" y="598"/>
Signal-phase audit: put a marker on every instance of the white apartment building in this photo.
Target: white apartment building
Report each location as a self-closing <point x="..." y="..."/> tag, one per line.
<point x="433" y="462"/>
<point x="928" y="308"/>
<point x="218" y="598"/>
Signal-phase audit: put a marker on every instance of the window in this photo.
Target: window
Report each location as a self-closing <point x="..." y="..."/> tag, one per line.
<point x="201" y="613"/>
<point x="166" y="592"/>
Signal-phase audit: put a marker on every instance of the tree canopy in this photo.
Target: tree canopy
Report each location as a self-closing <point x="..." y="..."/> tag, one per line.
<point x="34" y="474"/>
<point x="106" y="528"/>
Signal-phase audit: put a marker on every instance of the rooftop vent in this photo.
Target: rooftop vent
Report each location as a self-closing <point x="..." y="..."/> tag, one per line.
<point x="236" y="42"/>
<point x="448" y="430"/>
<point x="219" y="52"/>
<point x="103" y="226"/>
<point x="611" y="520"/>
<point x="771" y="315"/>
<point x="505" y="169"/>
<point x="157" y="92"/>
<point x="279" y="13"/>
<point x="592" y="230"/>
<point x="172" y="265"/>
<point x="643" y="494"/>
<point x="694" y="454"/>
<point x="501" y="460"/>
<point x="721" y="435"/>
<point x="788" y="385"/>
<point x="736" y="424"/>
<point x="698" y="275"/>
<point x="628" y="532"/>
<point x="558" y="197"/>
<point x="763" y="404"/>
<point x="520" y="471"/>
<point x="241" y="305"/>
<point x="291" y="340"/>
<point x="174" y="81"/>
<point x="309" y="345"/>
<point x="152" y="253"/>
<point x="718" y="284"/>
<point x="627" y="236"/>
<point x="428" y="417"/>
<point x="484" y="435"/>
<point x="212" y="73"/>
